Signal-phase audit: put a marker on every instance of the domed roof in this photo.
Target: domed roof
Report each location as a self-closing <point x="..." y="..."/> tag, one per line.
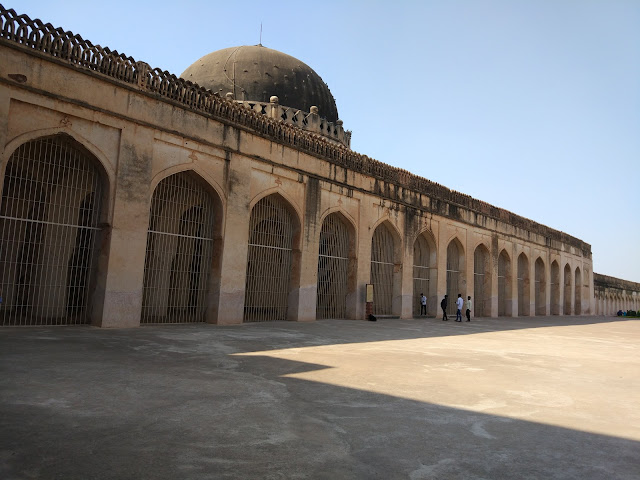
<point x="255" y="73"/>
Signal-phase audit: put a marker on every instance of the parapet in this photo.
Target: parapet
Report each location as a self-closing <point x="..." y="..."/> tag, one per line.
<point x="309" y="121"/>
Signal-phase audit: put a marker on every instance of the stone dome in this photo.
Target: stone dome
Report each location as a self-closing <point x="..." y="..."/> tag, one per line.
<point x="256" y="73"/>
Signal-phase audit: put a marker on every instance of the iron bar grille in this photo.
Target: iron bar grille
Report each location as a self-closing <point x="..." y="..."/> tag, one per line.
<point x="269" y="261"/>
<point x="567" y="290"/>
<point x="179" y="252"/>
<point x="540" y="288"/>
<point x="555" y="289"/>
<point x="503" y="297"/>
<point x="523" y="297"/>
<point x="421" y="272"/>
<point x="479" y="259"/>
<point x="577" y="310"/>
<point x="382" y="267"/>
<point x="333" y="268"/>
<point x="49" y="219"/>
<point x="453" y="276"/>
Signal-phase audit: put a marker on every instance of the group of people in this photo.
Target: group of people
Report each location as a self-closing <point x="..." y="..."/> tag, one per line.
<point x="444" y="304"/>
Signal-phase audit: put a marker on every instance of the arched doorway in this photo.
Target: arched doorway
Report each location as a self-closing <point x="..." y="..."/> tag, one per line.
<point x="269" y="264"/>
<point x="455" y="272"/>
<point x="383" y="269"/>
<point x="578" y="285"/>
<point x="49" y="226"/>
<point x="540" y="287"/>
<point x="481" y="282"/>
<point x="523" y="285"/>
<point x="424" y="274"/>
<point x="335" y="267"/>
<point x="504" y="285"/>
<point x="555" y="288"/>
<point x="567" y="290"/>
<point x="179" y="252"/>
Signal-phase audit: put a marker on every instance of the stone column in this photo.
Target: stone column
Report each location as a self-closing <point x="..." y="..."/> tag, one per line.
<point x="233" y="264"/>
<point x="124" y="254"/>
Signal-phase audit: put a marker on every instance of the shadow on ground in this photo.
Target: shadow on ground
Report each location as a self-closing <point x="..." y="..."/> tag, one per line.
<point x="178" y="402"/>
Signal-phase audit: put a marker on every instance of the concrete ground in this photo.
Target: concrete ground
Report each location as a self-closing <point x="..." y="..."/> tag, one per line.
<point x="522" y="398"/>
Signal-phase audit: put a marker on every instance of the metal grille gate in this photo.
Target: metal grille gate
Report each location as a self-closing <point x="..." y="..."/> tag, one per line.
<point x="179" y="252"/>
<point x="453" y="275"/>
<point x="523" y="294"/>
<point x="540" y="293"/>
<point x="479" y="259"/>
<point x="269" y="261"/>
<point x="503" y="290"/>
<point x="382" y="271"/>
<point x="333" y="267"/>
<point x="421" y="272"/>
<point x="567" y="290"/>
<point x="49" y="219"/>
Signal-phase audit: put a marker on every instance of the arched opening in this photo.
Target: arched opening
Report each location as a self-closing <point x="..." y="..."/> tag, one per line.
<point x="504" y="285"/>
<point x="270" y="260"/>
<point x="424" y="274"/>
<point x="383" y="269"/>
<point x="49" y="229"/>
<point x="179" y="255"/>
<point x="578" y="300"/>
<point x="555" y="288"/>
<point x="482" y="282"/>
<point x="523" y="285"/>
<point x="336" y="266"/>
<point x="455" y="273"/>
<point x="586" y="290"/>
<point x="567" y="289"/>
<point x="540" y="287"/>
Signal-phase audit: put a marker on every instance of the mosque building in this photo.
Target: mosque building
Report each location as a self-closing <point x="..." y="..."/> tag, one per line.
<point x="230" y="194"/>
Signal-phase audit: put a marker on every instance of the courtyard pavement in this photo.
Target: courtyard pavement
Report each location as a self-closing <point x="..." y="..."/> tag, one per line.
<point x="509" y="398"/>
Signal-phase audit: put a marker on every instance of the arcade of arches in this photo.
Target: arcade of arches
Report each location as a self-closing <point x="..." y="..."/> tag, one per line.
<point x="169" y="213"/>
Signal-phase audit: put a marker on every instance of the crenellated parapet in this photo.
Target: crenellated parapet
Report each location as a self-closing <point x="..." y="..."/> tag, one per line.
<point x="304" y="131"/>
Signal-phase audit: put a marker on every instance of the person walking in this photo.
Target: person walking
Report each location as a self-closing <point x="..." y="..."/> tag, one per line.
<point x="443" y="305"/>
<point x="459" y="304"/>
<point x="468" y="308"/>
<point x="423" y="304"/>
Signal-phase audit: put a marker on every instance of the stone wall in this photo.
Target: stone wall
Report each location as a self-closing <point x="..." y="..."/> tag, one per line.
<point x="141" y="126"/>
<point x="613" y="294"/>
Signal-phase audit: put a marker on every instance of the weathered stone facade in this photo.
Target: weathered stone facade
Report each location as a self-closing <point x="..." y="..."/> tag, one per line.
<point x="242" y="176"/>
<point x="613" y="294"/>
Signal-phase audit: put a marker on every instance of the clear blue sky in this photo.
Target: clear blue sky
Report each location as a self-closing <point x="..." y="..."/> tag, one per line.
<point x="532" y="106"/>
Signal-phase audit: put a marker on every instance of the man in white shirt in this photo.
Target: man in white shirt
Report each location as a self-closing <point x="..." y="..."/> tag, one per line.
<point x="423" y="304"/>
<point x="459" y="304"/>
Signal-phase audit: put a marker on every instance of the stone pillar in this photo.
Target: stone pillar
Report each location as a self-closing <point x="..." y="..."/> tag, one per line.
<point x="127" y="241"/>
<point x="233" y="264"/>
<point x="364" y="268"/>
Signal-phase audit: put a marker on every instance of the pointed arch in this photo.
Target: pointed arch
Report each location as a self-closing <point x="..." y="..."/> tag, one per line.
<point x="482" y="281"/>
<point x="523" y="285"/>
<point x="273" y="264"/>
<point x="425" y="272"/>
<point x="455" y="272"/>
<point x="53" y="193"/>
<point x="184" y="224"/>
<point x="504" y="285"/>
<point x="578" y="295"/>
<point x="336" y="266"/>
<point x="540" y="287"/>
<point x="385" y="277"/>
<point x="567" y="289"/>
<point x="555" y="288"/>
